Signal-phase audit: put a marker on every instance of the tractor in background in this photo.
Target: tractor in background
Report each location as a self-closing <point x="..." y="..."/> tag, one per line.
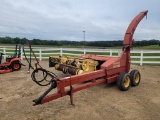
<point x="12" y="63"/>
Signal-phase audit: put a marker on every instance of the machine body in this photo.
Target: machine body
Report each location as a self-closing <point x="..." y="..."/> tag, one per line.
<point x="90" y="70"/>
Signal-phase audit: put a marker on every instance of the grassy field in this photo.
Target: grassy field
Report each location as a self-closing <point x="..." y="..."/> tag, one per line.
<point x="150" y="47"/>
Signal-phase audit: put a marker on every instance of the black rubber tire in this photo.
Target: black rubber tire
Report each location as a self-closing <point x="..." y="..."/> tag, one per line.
<point x="123" y="79"/>
<point x="15" y="66"/>
<point x="135" y="77"/>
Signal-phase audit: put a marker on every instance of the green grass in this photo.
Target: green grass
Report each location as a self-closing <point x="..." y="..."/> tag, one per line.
<point x="135" y="54"/>
<point x="150" y="47"/>
<point x="151" y="59"/>
<point x="135" y="59"/>
<point x="151" y="54"/>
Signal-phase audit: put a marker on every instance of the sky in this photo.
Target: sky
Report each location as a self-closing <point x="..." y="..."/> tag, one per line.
<point x="67" y="19"/>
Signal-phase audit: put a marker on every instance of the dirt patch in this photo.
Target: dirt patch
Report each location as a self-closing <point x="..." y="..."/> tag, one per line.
<point x="100" y="102"/>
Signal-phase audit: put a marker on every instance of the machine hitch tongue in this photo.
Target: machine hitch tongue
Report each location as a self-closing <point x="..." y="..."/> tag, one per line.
<point x="38" y="100"/>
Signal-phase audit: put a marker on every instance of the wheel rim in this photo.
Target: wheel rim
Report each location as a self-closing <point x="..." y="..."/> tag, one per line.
<point x="137" y="78"/>
<point x="16" y="66"/>
<point x="126" y="81"/>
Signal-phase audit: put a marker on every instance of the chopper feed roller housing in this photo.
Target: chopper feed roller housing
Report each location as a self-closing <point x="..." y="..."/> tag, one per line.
<point x="73" y="65"/>
<point x="90" y="70"/>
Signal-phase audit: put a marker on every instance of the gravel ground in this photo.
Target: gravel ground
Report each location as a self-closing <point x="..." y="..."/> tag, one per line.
<point x="101" y="102"/>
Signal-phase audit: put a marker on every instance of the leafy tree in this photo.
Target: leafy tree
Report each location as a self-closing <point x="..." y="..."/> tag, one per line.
<point x="17" y="40"/>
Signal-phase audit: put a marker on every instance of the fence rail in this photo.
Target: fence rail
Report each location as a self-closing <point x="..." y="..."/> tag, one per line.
<point x="137" y="56"/>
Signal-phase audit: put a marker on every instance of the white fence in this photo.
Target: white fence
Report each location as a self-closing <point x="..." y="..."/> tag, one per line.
<point x="137" y="56"/>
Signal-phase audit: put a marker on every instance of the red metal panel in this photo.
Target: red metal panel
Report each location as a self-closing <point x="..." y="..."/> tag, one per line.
<point x="109" y="64"/>
<point x="82" y="78"/>
<point x="95" y="57"/>
<point x="131" y="28"/>
<point x="88" y="84"/>
<point x="74" y="89"/>
<point x="50" y="97"/>
<point x="112" y="79"/>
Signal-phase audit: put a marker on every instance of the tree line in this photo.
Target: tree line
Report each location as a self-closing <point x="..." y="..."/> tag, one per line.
<point x="113" y="43"/>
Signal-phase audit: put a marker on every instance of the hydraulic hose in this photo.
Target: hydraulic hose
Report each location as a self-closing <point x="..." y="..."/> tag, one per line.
<point x="44" y="81"/>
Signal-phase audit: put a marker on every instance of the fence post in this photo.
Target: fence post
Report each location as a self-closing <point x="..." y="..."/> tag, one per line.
<point x="84" y="51"/>
<point x="22" y="52"/>
<point x="110" y="52"/>
<point x="119" y="53"/>
<point x="40" y="54"/>
<point x="61" y="51"/>
<point x="141" y="59"/>
<point x="4" y="51"/>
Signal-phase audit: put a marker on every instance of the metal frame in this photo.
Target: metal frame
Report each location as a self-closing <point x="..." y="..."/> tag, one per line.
<point x="109" y="72"/>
